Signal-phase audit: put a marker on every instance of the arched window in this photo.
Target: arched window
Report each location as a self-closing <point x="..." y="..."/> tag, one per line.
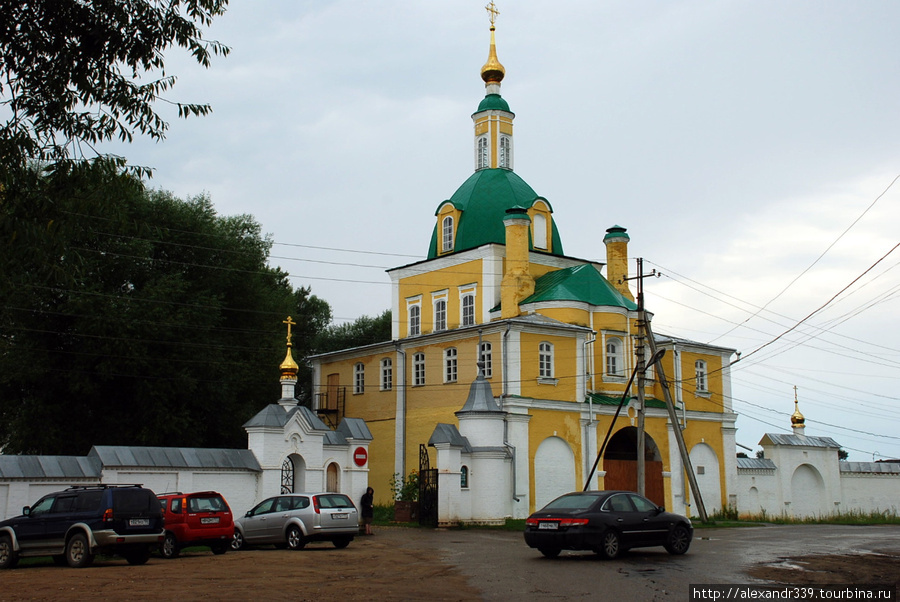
<point x="415" y="320"/>
<point x="700" y="374"/>
<point x="545" y="360"/>
<point x="614" y="362"/>
<point x="419" y="369"/>
<point x="484" y="354"/>
<point x="359" y="378"/>
<point x="450" y="365"/>
<point x="387" y="374"/>
<point x="440" y="315"/>
<point x="481" y="158"/>
<point x="468" y="309"/>
<point x="539" y="235"/>
<point x="447" y="233"/>
<point x="287" y="476"/>
<point x="464" y="477"/>
<point x="505" y="152"/>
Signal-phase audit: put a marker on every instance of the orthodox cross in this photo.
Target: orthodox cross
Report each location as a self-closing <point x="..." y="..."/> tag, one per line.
<point x="492" y="9"/>
<point x="289" y="323"/>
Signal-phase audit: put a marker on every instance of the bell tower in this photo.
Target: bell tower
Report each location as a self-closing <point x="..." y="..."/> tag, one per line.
<point x="493" y="119"/>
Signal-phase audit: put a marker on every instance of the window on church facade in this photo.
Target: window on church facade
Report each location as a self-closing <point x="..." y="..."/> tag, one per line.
<point x="450" y="365"/>
<point x="614" y="362"/>
<point x="468" y="309"/>
<point x="447" y="234"/>
<point x="539" y="235"/>
<point x="415" y="320"/>
<point x="464" y="477"/>
<point x="482" y="159"/>
<point x="545" y="360"/>
<point x="387" y="374"/>
<point x="484" y="354"/>
<point x="418" y="369"/>
<point x="440" y="315"/>
<point x="700" y="375"/>
<point x="505" y="152"/>
<point x="359" y="378"/>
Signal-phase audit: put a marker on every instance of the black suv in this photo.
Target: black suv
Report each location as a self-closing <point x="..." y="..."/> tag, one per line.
<point x="73" y="525"/>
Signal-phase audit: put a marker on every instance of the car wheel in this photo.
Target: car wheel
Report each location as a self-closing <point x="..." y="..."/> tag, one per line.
<point x="8" y="556"/>
<point x="140" y="556"/>
<point x="342" y="542"/>
<point x="679" y="540"/>
<point x="610" y="545"/>
<point x="550" y="552"/>
<point x="219" y="548"/>
<point x="295" y="539"/>
<point x="169" y="547"/>
<point x="237" y="541"/>
<point x="78" y="552"/>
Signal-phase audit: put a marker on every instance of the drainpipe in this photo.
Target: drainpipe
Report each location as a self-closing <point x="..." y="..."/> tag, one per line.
<point x="505" y="354"/>
<point x="400" y="428"/>
<point x="510" y="448"/>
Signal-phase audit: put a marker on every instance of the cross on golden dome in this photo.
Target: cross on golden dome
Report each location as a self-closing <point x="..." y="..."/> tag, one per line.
<point x="492" y="10"/>
<point x="289" y="323"/>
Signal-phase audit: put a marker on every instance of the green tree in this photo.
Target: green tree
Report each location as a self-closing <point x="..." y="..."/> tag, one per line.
<point x="364" y="330"/>
<point x="133" y="317"/>
<point x="74" y="74"/>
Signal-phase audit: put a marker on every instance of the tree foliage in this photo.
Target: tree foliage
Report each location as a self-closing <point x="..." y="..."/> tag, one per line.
<point x="76" y="73"/>
<point x="129" y="316"/>
<point x="364" y="330"/>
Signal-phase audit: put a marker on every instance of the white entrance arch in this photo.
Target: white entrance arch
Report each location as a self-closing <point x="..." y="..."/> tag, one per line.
<point x="807" y="492"/>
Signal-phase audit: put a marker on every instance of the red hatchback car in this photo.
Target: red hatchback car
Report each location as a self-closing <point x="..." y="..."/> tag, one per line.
<point x="195" y="519"/>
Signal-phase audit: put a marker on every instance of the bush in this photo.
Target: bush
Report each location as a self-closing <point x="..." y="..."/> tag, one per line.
<point x="405" y="490"/>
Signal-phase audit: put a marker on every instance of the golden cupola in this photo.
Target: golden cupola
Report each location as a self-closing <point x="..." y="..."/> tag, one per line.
<point x="798" y="422"/>
<point x="289" y="367"/>
<point x="493" y="71"/>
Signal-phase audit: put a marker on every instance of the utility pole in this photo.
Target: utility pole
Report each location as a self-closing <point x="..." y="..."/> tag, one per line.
<point x="639" y="353"/>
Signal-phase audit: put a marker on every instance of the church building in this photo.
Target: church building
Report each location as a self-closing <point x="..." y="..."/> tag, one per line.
<point x="509" y="359"/>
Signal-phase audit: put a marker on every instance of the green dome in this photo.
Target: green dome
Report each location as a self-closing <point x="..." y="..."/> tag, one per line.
<point x="493" y="102"/>
<point x="483" y="200"/>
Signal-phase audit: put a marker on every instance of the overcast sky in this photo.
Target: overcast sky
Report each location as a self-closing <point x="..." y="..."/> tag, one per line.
<point x="743" y="144"/>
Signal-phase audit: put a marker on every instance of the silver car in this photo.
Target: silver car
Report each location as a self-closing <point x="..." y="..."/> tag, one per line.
<point x="294" y="519"/>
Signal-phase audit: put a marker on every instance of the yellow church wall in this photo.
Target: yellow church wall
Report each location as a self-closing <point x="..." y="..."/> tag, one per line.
<point x="565" y="369"/>
<point x="702" y="401"/>
<point x="569" y="315"/>
<point x="554" y="423"/>
<point x="448" y="279"/>
<point x="381" y="459"/>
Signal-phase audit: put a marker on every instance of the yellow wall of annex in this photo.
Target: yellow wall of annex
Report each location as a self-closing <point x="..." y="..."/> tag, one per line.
<point x="565" y="369"/>
<point x="448" y="279"/>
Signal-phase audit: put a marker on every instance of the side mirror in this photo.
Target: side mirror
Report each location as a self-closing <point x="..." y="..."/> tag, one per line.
<point x="660" y="509"/>
<point x="26" y="510"/>
<point x="249" y="513"/>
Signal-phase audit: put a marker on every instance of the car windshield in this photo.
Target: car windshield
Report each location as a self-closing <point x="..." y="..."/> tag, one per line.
<point x="575" y="501"/>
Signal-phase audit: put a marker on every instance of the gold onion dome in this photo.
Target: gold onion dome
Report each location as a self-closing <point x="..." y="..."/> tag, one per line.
<point x="493" y="71"/>
<point x="797" y="419"/>
<point x="289" y="367"/>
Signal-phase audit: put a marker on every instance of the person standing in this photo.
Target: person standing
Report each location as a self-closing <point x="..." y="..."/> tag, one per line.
<point x="368" y="510"/>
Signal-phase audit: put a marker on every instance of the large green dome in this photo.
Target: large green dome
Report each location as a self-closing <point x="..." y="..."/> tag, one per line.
<point x="482" y="201"/>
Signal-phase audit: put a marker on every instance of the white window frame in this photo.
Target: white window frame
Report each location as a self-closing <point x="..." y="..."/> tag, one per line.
<point x="414" y="317"/>
<point x="485" y="354"/>
<point x="387" y="374"/>
<point x="451" y="365"/>
<point x="617" y="357"/>
<point x="482" y="153"/>
<point x="447" y="234"/>
<point x="539" y="231"/>
<point x="463" y="477"/>
<point x="467" y="308"/>
<point x="701" y="373"/>
<point x="505" y="152"/>
<point x="546" y="369"/>
<point x="359" y="378"/>
<point x="418" y="369"/>
<point x="440" y="314"/>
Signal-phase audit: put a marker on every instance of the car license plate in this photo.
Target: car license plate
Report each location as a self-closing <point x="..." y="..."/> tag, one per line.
<point x="209" y="521"/>
<point x="339" y="515"/>
<point x="139" y="522"/>
<point x="551" y="526"/>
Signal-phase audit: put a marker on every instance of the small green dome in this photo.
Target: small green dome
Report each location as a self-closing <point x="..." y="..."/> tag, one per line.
<point x="482" y="201"/>
<point x="493" y="102"/>
<point x="616" y="232"/>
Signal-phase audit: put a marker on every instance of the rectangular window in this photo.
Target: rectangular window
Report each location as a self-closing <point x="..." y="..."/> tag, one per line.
<point x="418" y="369"/>
<point x="359" y="379"/>
<point x="387" y="374"/>
<point x="450" y="365"/>
<point x="484" y="354"/>
<point x="468" y="309"/>
<point x="700" y="368"/>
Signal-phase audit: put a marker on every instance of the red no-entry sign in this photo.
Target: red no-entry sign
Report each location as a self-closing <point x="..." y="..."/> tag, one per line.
<point x="360" y="456"/>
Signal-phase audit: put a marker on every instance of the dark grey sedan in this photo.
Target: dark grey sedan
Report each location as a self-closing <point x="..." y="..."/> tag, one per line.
<point x="607" y="523"/>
